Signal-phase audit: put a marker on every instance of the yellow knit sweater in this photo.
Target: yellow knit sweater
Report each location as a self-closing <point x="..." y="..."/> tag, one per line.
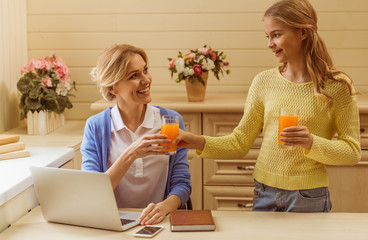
<point x="298" y="168"/>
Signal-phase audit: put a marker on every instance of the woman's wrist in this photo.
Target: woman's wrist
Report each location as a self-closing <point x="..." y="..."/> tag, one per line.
<point x="128" y="156"/>
<point x="170" y="204"/>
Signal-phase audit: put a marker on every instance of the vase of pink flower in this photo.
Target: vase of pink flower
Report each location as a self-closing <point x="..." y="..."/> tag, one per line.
<point x="45" y="87"/>
<point x="193" y="68"/>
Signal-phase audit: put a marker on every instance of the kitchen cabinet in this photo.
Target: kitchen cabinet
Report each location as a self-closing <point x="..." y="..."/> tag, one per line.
<point x="348" y="184"/>
<point x="228" y="184"/>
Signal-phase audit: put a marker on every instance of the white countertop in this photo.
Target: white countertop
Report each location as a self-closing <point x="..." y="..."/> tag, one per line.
<point x="15" y="176"/>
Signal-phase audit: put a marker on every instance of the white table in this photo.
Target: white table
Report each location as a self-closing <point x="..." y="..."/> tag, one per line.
<point x="231" y="225"/>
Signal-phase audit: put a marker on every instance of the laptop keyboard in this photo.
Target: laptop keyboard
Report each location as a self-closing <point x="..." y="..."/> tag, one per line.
<point x="126" y="221"/>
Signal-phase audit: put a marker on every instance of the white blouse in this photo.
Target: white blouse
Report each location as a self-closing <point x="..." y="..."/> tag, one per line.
<point x="145" y="181"/>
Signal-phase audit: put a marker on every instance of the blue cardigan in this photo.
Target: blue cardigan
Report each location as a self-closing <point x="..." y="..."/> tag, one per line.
<point x="95" y="150"/>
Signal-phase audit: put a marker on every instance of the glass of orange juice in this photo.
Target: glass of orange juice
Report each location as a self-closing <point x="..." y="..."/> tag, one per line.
<point x="287" y="118"/>
<point x="170" y="127"/>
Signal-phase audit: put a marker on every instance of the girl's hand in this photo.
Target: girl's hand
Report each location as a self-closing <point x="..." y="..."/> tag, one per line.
<point x="189" y="140"/>
<point x="297" y="136"/>
<point x="153" y="214"/>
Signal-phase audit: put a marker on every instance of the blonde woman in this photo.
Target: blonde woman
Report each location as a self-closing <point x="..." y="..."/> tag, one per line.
<point x="124" y="140"/>
<point x="293" y="180"/>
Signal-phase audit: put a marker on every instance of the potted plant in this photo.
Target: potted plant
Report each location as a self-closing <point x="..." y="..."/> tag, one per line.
<point x="45" y="89"/>
<point x="194" y="66"/>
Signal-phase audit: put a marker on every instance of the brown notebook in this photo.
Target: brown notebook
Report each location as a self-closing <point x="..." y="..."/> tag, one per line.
<point x="5" y="139"/>
<point x="191" y="220"/>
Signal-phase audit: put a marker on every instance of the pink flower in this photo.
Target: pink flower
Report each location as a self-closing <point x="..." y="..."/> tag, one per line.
<point x="203" y="51"/>
<point x="60" y="63"/>
<point x="65" y="69"/>
<point x="47" y="82"/>
<point x="26" y="68"/>
<point x="30" y="67"/>
<point x="48" y="64"/>
<point x="226" y="64"/>
<point x="197" y="70"/>
<point x="52" y="59"/>
<point x="39" y="63"/>
<point x="172" y="63"/>
<point x="213" y="56"/>
<point x="60" y="72"/>
<point x="66" y="78"/>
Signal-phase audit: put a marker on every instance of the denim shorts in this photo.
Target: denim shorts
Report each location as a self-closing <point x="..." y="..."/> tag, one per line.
<point x="273" y="199"/>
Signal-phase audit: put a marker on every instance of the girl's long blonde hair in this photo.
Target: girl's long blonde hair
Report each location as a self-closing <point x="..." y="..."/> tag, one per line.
<point x="300" y="14"/>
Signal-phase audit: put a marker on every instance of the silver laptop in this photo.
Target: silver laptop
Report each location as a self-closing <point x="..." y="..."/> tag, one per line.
<point x="79" y="198"/>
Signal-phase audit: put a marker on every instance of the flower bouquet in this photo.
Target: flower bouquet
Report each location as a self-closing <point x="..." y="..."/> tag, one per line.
<point x="192" y="65"/>
<point x="44" y="86"/>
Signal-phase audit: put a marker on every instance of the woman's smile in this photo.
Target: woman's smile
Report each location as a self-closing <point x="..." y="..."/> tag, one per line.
<point x="145" y="91"/>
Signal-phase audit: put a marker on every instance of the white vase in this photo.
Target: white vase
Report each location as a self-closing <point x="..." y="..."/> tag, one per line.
<point x="43" y="122"/>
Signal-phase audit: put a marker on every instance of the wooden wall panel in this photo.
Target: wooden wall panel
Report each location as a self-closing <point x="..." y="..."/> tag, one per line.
<point x="179" y="40"/>
<point x="13" y="54"/>
<point x="238" y="76"/>
<point x="78" y="31"/>
<point x="167" y="6"/>
<point x="247" y="21"/>
<point x="147" y="6"/>
<point x="237" y="58"/>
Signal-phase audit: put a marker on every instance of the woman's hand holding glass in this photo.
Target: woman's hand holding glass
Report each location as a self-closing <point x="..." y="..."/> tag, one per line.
<point x="297" y="136"/>
<point x="148" y="145"/>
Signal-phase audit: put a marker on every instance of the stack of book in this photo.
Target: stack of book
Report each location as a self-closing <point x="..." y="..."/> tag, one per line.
<point x="11" y="147"/>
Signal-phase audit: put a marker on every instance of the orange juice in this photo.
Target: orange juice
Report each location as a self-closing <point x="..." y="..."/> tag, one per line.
<point x="287" y="121"/>
<point x="172" y="132"/>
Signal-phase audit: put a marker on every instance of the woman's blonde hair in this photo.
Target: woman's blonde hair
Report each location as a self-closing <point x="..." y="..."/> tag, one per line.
<point x="112" y="67"/>
<point x="300" y="14"/>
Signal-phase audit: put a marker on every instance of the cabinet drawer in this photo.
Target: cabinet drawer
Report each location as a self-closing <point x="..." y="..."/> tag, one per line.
<point x="364" y="159"/>
<point x="192" y="122"/>
<point x="228" y="198"/>
<point x="230" y="171"/>
<point x="221" y="124"/>
<point x="364" y="131"/>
